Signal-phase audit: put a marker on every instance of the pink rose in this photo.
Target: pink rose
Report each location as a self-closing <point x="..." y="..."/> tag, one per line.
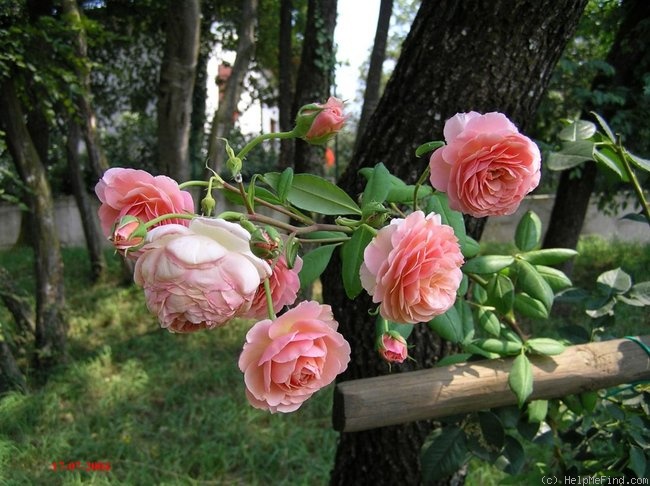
<point x="287" y="360"/>
<point x="328" y="122"/>
<point x="487" y="166"/>
<point x="199" y="277"/>
<point x="128" y="236"/>
<point x="284" y="284"/>
<point x="137" y="193"/>
<point x="412" y="268"/>
<point x="393" y="348"/>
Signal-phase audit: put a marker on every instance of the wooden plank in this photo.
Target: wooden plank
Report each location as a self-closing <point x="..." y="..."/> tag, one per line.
<point x="433" y="393"/>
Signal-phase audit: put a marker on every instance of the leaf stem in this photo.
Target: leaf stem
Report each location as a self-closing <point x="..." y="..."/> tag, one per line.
<point x="261" y="138"/>
<point x="635" y="182"/>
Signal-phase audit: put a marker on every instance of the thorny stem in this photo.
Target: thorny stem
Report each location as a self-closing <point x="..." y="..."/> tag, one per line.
<point x="269" y="299"/>
<point x="259" y="139"/>
<point x="164" y="217"/>
<point x="260" y="218"/>
<point x="634" y="181"/>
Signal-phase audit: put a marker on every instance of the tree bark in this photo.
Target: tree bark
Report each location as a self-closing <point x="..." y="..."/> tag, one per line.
<point x="458" y="56"/>
<point x="375" y="69"/>
<point x="315" y="75"/>
<point x="50" y="325"/>
<point x="223" y="120"/>
<point x="574" y="191"/>
<point x="285" y="83"/>
<point x="177" y="74"/>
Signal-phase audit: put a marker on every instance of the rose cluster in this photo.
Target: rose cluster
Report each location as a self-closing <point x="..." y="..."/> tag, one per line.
<point x="201" y="272"/>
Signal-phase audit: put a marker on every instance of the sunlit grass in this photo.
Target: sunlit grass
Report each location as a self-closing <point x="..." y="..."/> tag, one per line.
<point x="159" y="408"/>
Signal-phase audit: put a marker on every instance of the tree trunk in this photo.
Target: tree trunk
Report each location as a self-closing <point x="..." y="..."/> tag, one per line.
<point x="88" y="214"/>
<point x="50" y="325"/>
<point x="223" y="120"/>
<point x="458" y="56"/>
<point x="96" y="157"/>
<point x="285" y="89"/>
<point x="573" y="193"/>
<point x="176" y="86"/>
<point x="315" y="75"/>
<point x="375" y="69"/>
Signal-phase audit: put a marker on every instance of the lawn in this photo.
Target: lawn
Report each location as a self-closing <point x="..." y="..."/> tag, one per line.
<point x="159" y="408"/>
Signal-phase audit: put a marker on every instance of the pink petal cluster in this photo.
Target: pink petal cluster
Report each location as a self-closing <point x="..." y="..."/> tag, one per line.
<point x="393" y="349"/>
<point x="199" y="277"/>
<point x="286" y="360"/>
<point x="327" y="123"/>
<point x="137" y="193"/>
<point x="412" y="268"/>
<point x="487" y="166"/>
<point x="284" y="284"/>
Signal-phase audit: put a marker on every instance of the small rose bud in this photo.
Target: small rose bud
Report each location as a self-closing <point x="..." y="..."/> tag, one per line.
<point x="318" y="123"/>
<point x="266" y="243"/>
<point x="392" y="347"/>
<point x="128" y="235"/>
<point x="208" y="204"/>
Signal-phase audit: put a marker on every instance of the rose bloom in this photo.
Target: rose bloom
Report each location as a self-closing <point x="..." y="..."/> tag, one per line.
<point x="327" y="123"/>
<point x="284" y="284"/>
<point x="286" y="360"/>
<point x="137" y="193"/>
<point x="487" y="166"/>
<point x="412" y="268"/>
<point x="393" y="348"/>
<point x="199" y="277"/>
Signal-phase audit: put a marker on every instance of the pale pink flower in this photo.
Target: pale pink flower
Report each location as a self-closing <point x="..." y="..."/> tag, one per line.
<point x="393" y="348"/>
<point x="286" y="360"/>
<point x="199" y="277"/>
<point x="412" y="268"/>
<point x="327" y="123"/>
<point x="137" y="193"/>
<point x="487" y="166"/>
<point x="284" y="284"/>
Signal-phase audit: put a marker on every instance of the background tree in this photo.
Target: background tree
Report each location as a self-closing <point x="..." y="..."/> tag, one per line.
<point x="176" y="86"/>
<point x="620" y="96"/>
<point x="285" y="82"/>
<point x="458" y="56"/>
<point x="315" y="75"/>
<point x="375" y="70"/>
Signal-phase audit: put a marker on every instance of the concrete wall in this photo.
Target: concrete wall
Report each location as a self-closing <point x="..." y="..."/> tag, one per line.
<point x="497" y="229"/>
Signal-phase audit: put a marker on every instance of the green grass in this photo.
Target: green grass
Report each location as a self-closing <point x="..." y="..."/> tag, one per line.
<point x="160" y="408"/>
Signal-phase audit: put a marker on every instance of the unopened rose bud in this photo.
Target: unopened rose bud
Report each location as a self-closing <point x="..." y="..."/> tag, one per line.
<point x="317" y="123"/>
<point x="128" y="235"/>
<point x="266" y="243"/>
<point x="208" y="204"/>
<point x="392" y="347"/>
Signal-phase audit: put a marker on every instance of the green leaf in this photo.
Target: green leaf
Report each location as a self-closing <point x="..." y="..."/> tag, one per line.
<point x="453" y="359"/>
<point x="489" y="321"/>
<point x="404" y="194"/>
<point x="641" y="163"/>
<point x="520" y="378"/>
<point x="570" y="155"/>
<point x="492" y="429"/>
<point x="319" y="235"/>
<point x="638" y="462"/>
<point x="529" y="307"/>
<point x="314" y="263"/>
<point x="444" y="454"/>
<point x="260" y="192"/>
<point x="545" y="346"/>
<point x="589" y="400"/>
<point x="514" y="453"/>
<point x="600" y="308"/>
<point x="554" y="277"/>
<point x="533" y="284"/>
<point x="614" y="281"/>
<point x="573" y="403"/>
<point x="537" y="410"/>
<point x="377" y="187"/>
<point x="488" y="263"/>
<point x="529" y="232"/>
<point x="425" y="148"/>
<point x="284" y="183"/>
<point x="610" y="159"/>
<point x="449" y="326"/>
<point x="605" y="127"/>
<point x="470" y="248"/>
<point x="313" y="193"/>
<point x="578" y="130"/>
<point x="502" y="348"/>
<point x="501" y="293"/>
<point x="550" y="256"/>
<point x="439" y="203"/>
<point x="352" y="258"/>
<point x="641" y="293"/>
